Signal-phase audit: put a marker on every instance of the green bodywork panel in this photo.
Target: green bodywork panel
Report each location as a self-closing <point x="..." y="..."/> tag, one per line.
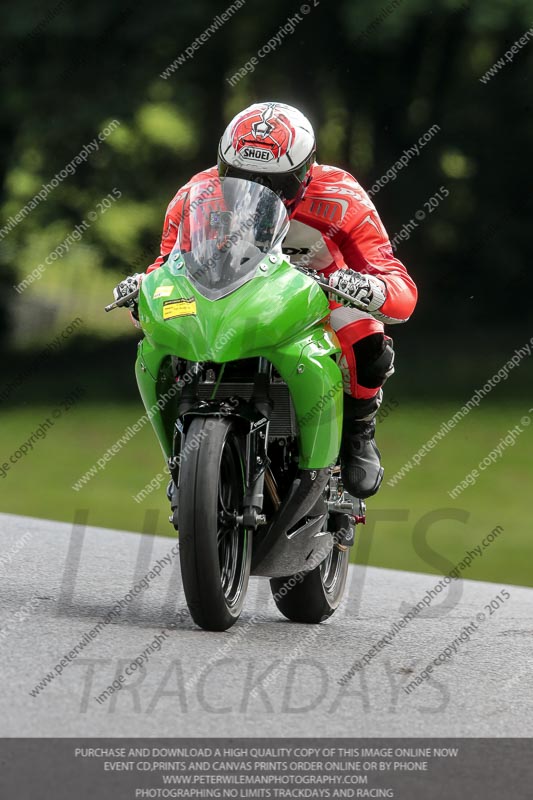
<point x="278" y="314"/>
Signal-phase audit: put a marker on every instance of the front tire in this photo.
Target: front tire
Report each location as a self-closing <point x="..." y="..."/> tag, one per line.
<point x="215" y="552"/>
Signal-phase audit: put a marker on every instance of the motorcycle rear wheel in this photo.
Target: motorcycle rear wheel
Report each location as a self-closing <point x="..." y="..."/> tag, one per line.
<point x="314" y="596"/>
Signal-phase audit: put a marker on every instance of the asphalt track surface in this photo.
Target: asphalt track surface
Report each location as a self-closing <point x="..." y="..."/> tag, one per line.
<point x="264" y="677"/>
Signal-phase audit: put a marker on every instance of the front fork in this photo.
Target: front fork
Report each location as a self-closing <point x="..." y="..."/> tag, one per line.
<point x="256" y="441"/>
<point x="256" y="450"/>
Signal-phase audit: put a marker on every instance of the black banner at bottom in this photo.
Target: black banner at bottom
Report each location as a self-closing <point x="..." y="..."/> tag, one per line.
<point x="127" y="769"/>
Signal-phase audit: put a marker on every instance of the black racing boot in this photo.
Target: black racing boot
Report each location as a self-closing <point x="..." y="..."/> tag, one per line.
<point x="361" y="468"/>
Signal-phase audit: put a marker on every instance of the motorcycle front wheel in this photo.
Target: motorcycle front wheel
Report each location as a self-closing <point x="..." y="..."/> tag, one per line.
<point x="215" y="551"/>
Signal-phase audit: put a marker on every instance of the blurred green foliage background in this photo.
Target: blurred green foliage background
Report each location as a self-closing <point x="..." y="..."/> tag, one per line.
<point x="373" y="77"/>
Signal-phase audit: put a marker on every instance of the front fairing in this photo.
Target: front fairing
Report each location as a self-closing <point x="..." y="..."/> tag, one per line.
<point x="271" y="308"/>
<point x="279" y="314"/>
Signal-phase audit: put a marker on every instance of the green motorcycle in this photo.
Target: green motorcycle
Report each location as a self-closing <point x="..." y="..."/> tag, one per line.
<point x="238" y="371"/>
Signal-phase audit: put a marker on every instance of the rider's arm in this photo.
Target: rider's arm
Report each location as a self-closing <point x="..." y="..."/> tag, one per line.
<point x="174" y="214"/>
<point x="366" y="249"/>
<point x="170" y="230"/>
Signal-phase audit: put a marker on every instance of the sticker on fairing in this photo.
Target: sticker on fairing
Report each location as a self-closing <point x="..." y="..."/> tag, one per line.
<point x="184" y="307"/>
<point x="163" y="291"/>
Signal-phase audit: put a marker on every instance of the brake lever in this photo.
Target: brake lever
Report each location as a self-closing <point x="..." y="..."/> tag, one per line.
<point x="122" y="301"/>
<point x="311" y="274"/>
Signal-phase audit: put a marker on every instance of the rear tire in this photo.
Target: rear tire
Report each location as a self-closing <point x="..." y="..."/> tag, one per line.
<point x="315" y="597"/>
<point x="215" y="552"/>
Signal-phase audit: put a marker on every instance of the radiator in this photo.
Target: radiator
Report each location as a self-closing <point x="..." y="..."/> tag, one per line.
<point x="283" y="421"/>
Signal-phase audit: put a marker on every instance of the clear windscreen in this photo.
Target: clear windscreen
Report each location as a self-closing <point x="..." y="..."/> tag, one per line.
<point x="227" y="227"/>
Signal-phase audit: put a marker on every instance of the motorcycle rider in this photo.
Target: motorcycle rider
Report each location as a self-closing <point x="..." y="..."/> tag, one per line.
<point x="335" y="231"/>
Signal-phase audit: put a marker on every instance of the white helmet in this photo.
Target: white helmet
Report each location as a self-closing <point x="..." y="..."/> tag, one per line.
<point x="272" y="144"/>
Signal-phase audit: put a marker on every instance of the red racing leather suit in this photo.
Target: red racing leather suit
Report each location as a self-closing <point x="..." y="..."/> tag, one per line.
<point x="336" y="225"/>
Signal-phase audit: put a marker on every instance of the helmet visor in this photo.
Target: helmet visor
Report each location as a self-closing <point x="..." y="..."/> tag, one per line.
<point x="285" y="184"/>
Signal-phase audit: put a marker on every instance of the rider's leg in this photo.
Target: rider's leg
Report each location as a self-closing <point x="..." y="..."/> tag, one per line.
<point x="367" y="360"/>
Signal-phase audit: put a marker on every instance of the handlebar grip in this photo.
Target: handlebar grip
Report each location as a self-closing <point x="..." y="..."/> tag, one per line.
<point x="332" y="290"/>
